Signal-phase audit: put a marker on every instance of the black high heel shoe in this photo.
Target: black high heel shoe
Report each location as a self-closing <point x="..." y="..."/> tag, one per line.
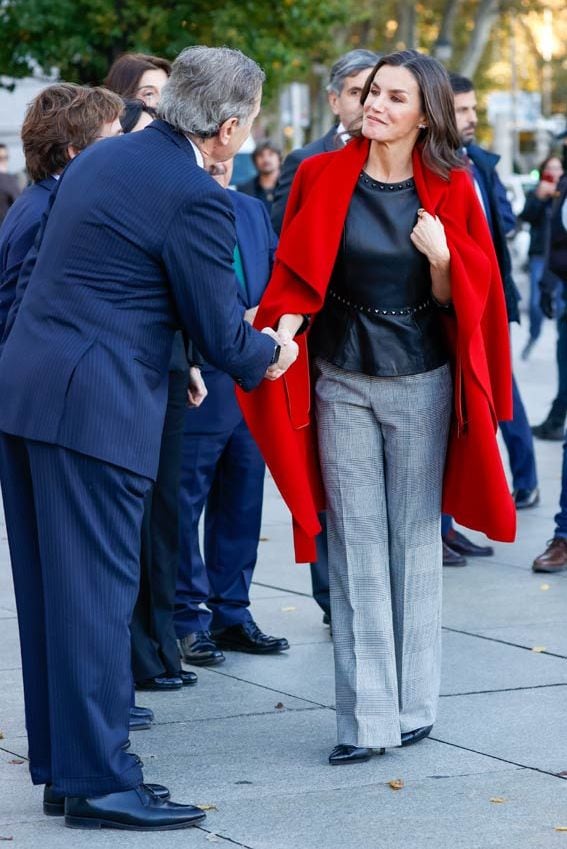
<point x="352" y="754"/>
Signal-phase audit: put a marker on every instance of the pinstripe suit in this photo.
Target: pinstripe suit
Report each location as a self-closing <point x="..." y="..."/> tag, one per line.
<point x="139" y="241"/>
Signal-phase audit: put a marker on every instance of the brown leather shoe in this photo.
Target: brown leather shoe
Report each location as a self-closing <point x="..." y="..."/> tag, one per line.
<point x="554" y="558"/>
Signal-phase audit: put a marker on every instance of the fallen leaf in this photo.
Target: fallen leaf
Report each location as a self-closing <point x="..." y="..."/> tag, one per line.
<point x="545" y="587"/>
<point x="207" y="807"/>
<point x="15" y="761"/>
<point x="6" y="838"/>
<point x="539" y="649"/>
<point x="280" y="706"/>
<point x="562" y="774"/>
<point x="264" y="539"/>
<point x="561" y="828"/>
<point x="1" y="735"/>
<point x="288" y="609"/>
<point x="498" y="800"/>
<point x="396" y="783"/>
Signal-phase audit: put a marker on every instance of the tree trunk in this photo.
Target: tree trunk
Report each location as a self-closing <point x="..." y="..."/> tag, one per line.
<point x="444" y="45"/>
<point x="407" y="28"/>
<point x="486" y="16"/>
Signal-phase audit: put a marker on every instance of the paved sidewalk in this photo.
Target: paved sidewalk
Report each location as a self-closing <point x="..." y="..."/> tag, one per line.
<point x="252" y="739"/>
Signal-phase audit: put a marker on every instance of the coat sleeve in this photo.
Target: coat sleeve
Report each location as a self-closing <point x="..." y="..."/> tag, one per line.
<point x="198" y="257"/>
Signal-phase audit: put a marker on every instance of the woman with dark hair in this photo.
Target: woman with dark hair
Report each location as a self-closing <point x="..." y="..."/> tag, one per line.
<point x="537" y="212"/>
<point x="386" y="241"/>
<point x="138" y="76"/>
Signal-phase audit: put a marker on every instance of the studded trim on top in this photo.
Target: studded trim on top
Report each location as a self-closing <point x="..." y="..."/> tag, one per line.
<point x="377" y="310"/>
<point x="386" y="187"/>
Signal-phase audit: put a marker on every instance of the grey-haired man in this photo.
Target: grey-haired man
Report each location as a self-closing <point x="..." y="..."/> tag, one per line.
<point x="346" y="81"/>
<point x="139" y="242"/>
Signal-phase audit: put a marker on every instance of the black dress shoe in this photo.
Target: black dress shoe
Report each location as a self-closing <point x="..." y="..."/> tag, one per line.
<point x="188" y="678"/>
<point x="139" y="723"/>
<point x="133" y="810"/>
<point x="249" y="638"/>
<point x="161" y="683"/>
<point x="549" y="431"/>
<point x="525" y="498"/>
<point x="54" y="805"/>
<point x="409" y="737"/>
<point x="135" y="710"/>
<point x="199" y="649"/>
<point x="452" y="558"/>
<point x="352" y="755"/>
<point x="463" y="545"/>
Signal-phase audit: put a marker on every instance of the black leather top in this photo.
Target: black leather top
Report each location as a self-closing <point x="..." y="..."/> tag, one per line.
<point x="378" y="317"/>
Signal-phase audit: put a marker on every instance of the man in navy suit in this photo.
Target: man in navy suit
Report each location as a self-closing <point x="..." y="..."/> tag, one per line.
<point x="501" y="220"/>
<point x="139" y="241"/>
<point x="71" y="117"/>
<point x="224" y="470"/>
<point x="346" y="81"/>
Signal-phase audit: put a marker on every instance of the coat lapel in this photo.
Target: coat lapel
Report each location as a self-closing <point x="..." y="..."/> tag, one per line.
<point x="310" y="243"/>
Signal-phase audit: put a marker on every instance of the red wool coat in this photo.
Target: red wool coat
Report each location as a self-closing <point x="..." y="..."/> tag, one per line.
<point x="279" y="413"/>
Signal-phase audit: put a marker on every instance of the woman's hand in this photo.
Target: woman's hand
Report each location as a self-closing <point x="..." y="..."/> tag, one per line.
<point x="428" y="236"/>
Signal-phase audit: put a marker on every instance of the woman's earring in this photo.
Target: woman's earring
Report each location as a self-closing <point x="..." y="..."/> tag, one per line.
<point x="422" y="126"/>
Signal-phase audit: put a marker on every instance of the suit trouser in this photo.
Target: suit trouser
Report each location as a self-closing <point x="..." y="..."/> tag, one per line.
<point x="320" y="569"/>
<point x="74" y="535"/>
<point x="382" y="443"/>
<point x="226" y="472"/>
<point x="519" y="441"/>
<point x="154" y="643"/>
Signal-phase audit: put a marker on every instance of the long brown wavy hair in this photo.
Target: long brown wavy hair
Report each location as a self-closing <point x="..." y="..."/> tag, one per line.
<point x="439" y="141"/>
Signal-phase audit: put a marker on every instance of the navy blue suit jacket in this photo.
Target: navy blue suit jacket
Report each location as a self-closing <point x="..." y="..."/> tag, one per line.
<point x="138" y="242"/>
<point x="257" y="242"/>
<point x="17" y="235"/>
<point x="291" y="163"/>
<point x="501" y="219"/>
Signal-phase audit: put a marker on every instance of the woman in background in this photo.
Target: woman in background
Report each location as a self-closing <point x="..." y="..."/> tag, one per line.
<point x="137" y="76"/>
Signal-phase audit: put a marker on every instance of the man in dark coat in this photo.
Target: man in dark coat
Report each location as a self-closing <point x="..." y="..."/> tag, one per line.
<point x="223" y="473"/>
<point x="138" y="242"/>
<point x="554" y="558"/>
<point x="348" y="75"/>
<point x="501" y="221"/>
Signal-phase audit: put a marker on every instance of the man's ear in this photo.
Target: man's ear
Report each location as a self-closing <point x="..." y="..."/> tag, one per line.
<point x="226" y="130"/>
<point x="72" y="151"/>
<point x="333" y="99"/>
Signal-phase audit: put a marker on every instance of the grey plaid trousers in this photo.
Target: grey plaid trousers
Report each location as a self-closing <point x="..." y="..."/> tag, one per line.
<point x="382" y="443"/>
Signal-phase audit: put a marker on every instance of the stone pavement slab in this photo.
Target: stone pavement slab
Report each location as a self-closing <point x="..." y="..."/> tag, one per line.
<point x="428" y="814"/>
<point x="525" y="727"/>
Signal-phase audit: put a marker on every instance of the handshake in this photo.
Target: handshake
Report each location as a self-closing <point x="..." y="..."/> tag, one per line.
<point x="288" y="352"/>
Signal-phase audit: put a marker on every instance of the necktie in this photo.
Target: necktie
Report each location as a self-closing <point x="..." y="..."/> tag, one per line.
<point x="239" y="271"/>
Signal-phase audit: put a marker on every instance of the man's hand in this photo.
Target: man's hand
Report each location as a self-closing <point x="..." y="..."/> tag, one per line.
<point x="196" y="391"/>
<point x="288" y="354"/>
